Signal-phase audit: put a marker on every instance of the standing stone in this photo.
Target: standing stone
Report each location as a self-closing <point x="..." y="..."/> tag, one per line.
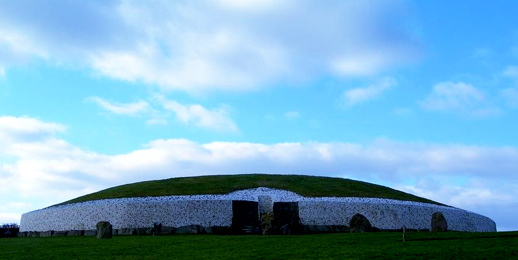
<point x="360" y="223"/>
<point x="439" y="223"/>
<point x="266" y="214"/>
<point x="104" y="230"/>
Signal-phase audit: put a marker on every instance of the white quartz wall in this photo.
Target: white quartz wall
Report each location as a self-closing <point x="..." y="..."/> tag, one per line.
<point x="216" y="210"/>
<point x="390" y="214"/>
<point x="129" y="213"/>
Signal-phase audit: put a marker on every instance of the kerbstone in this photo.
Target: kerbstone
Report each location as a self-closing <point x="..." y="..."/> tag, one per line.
<point x="104" y="230"/>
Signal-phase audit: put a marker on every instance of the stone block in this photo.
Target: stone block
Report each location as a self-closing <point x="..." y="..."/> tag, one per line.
<point x="360" y="223"/>
<point x="75" y="233"/>
<point x="90" y="233"/>
<point x="104" y="230"/>
<point x="439" y="223"/>
<point x="59" y="233"/>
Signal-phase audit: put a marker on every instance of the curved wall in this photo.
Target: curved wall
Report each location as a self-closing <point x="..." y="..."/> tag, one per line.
<point x="216" y="211"/>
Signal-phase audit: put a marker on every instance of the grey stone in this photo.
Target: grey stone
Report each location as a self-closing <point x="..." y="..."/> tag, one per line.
<point x="168" y="230"/>
<point x="267" y="223"/>
<point x="127" y="231"/>
<point x="59" y="233"/>
<point x="21" y="234"/>
<point x="75" y="233"/>
<point x="439" y="223"/>
<point x="115" y="232"/>
<point x="360" y="223"/>
<point x="265" y="204"/>
<point x="33" y="234"/>
<point x="104" y="230"/>
<point x="46" y="233"/>
<point x="90" y="233"/>
<point x="192" y="229"/>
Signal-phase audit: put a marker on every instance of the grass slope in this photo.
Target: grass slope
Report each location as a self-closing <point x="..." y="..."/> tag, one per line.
<point x="418" y="245"/>
<point x="309" y="186"/>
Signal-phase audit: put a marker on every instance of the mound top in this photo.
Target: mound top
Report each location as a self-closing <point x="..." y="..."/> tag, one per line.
<point x="307" y="186"/>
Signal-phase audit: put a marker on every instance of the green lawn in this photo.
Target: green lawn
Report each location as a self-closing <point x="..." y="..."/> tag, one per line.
<point x="423" y="245"/>
<point x="309" y="186"/>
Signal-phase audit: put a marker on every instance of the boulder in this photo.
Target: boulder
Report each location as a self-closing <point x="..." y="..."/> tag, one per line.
<point x="360" y="223"/>
<point x="439" y="223"/>
<point x="104" y="230"/>
<point x="21" y="234"/>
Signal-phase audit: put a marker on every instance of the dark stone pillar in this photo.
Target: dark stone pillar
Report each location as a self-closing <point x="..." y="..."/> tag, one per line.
<point x="104" y="230"/>
<point x="439" y="223"/>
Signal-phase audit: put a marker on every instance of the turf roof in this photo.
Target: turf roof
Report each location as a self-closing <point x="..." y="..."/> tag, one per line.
<point x="308" y="186"/>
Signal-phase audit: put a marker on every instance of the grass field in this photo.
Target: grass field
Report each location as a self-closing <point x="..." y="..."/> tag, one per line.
<point x="309" y="186"/>
<point x="418" y="245"/>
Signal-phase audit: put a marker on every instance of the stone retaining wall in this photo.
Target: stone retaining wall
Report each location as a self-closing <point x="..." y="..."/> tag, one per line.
<point x="214" y="212"/>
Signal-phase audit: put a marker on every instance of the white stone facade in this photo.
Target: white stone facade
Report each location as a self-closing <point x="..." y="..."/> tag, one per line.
<point x="216" y="210"/>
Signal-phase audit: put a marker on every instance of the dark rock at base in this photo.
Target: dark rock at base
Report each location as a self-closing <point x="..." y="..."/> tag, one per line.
<point x="439" y="223"/>
<point x="192" y="229"/>
<point x="205" y="230"/>
<point x="115" y="232"/>
<point x="127" y="231"/>
<point x="360" y="223"/>
<point x="59" y="233"/>
<point x="220" y="230"/>
<point x="104" y="230"/>
<point x="21" y="234"/>
<point x="90" y="233"/>
<point x="75" y="233"/>
<point x="311" y="229"/>
<point x="33" y="234"/>
<point x="141" y="231"/>
<point x="46" y="233"/>
<point x="168" y="230"/>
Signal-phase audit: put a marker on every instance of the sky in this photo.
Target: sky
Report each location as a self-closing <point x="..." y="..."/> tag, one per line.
<point x="420" y="96"/>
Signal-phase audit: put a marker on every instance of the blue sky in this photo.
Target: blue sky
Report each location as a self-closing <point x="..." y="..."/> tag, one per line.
<point x="420" y="96"/>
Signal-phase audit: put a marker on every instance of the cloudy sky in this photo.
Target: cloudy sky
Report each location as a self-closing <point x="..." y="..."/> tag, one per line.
<point x="420" y="96"/>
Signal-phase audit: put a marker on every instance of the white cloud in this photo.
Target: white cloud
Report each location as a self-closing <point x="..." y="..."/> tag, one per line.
<point x="359" y="95"/>
<point x="458" y="97"/>
<point x="48" y="170"/>
<point x="511" y="96"/>
<point x="292" y="115"/>
<point x="118" y="108"/>
<point x="216" y="119"/>
<point x="206" y="45"/>
<point x="511" y="71"/>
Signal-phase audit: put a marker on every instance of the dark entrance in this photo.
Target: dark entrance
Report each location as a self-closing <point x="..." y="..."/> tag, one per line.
<point x="287" y="217"/>
<point x="245" y="217"/>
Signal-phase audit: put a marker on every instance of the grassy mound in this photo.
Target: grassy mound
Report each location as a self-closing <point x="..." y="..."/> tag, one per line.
<point x="309" y="186"/>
